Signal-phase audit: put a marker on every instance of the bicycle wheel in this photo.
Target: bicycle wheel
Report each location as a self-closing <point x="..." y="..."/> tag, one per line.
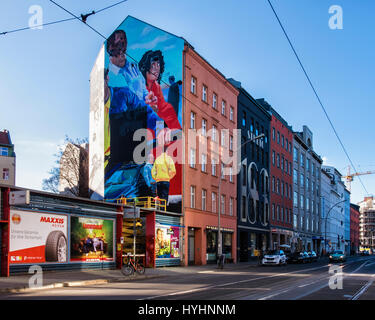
<point x="140" y="268"/>
<point x="127" y="270"/>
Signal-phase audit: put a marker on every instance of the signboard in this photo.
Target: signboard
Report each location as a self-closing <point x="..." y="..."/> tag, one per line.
<point x="19" y="197"/>
<point x="91" y="239"/>
<point x="37" y="237"/>
<point x="129" y="213"/>
<point x="167" y="241"/>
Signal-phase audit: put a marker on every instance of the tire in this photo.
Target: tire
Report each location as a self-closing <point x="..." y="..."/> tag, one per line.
<point x="127" y="270"/>
<point x="56" y="247"/>
<point x="140" y="269"/>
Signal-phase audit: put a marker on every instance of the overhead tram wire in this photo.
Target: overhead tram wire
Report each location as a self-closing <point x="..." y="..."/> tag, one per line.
<point x="316" y="94"/>
<point x="60" y="21"/>
<point x="96" y="31"/>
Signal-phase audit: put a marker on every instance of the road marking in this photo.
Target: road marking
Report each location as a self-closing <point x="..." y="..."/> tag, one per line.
<point x="363" y="289"/>
<point x="231" y="283"/>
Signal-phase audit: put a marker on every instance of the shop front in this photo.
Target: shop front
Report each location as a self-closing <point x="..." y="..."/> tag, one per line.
<point x="252" y="242"/>
<point x="212" y="244"/>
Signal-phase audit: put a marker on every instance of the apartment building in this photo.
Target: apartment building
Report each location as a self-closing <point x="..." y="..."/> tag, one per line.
<point x="7" y="159"/>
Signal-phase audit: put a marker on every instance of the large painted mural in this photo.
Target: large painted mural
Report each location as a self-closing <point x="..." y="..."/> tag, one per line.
<point x="142" y="114"/>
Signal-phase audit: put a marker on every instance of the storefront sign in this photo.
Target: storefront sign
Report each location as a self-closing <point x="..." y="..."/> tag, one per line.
<point x="37" y="237"/>
<point x="167" y="241"/>
<point x="19" y="197"/>
<point x="91" y="239"/>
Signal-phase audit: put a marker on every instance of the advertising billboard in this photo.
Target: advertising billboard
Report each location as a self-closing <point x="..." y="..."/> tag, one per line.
<point x="37" y="237"/>
<point x="167" y="242"/>
<point x="143" y="114"/>
<point x="91" y="239"/>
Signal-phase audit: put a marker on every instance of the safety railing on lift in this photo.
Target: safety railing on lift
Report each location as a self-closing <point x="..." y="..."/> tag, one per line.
<point x="144" y="202"/>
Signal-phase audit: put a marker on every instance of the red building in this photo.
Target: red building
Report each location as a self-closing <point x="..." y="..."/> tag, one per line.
<point x="354" y="228"/>
<point x="281" y="158"/>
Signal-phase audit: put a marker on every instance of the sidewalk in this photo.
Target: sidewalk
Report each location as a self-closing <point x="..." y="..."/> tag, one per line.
<point x="59" y="279"/>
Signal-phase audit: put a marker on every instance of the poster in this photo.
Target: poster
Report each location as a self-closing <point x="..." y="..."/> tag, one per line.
<point x="167" y="242"/>
<point x="37" y="237"/>
<point x="91" y="239"/>
<point x="143" y="114"/>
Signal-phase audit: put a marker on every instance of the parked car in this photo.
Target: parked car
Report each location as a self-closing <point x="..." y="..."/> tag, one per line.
<point x="337" y="256"/>
<point x="313" y="257"/>
<point x="274" y="257"/>
<point x="296" y="257"/>
<point x="365" y="253"/>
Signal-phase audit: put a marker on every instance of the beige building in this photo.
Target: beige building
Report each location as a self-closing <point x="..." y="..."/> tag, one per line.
<point x="7" y="159"/>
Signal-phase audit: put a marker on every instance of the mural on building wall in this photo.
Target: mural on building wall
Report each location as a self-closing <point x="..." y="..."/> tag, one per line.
<point x="142" y="116"/>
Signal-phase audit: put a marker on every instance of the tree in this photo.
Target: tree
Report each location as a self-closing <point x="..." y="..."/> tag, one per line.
<point x="71" y="173"/>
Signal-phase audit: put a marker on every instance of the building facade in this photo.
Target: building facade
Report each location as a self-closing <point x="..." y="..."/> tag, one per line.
<point x="333" y="210"/>
<point x="281" y="180"/>
<point x="347" y="221"/>
<point x="253" y="194"/>
<point x="209" y="184"/>
<point x="306" y="192"/>
<point x="354" y="229"/>
<point x="7" y="159"/>
<point x="367" y="223"/>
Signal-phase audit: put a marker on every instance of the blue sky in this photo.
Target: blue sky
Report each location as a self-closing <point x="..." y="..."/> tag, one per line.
<point x="44" y="87"/>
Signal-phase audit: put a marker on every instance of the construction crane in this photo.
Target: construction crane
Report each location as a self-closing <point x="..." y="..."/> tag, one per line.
<point x="350" y="176"/>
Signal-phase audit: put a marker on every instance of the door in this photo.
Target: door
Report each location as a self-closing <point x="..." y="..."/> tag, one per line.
<point x="191" y="247"/>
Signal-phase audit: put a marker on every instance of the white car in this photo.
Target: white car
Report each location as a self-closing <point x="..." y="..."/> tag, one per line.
<point x="274" y="257"/>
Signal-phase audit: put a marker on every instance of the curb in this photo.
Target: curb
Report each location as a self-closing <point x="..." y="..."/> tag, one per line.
<point x="25" y="289"/>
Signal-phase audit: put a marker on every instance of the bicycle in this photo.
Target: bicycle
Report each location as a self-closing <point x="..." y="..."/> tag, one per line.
<point x="132" y="266"/>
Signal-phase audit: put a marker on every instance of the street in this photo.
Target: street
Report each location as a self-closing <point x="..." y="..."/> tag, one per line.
<point x="291" y="282"/>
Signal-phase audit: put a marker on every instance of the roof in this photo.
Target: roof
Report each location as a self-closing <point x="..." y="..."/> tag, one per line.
<point x="5" y="138"/>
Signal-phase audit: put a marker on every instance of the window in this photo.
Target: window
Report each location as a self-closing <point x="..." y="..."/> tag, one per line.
<point x="278" y="186"/>
<point x="278" y="213"/>
<point x="193" y="85"/>
<point x="290" y="147"/>
<point x="302" y="201"/>
<point x="243" y="208"/>
<point x="286" y="166"/>
<point x="214" y="206"/>
<point x="295" y="155"/>
<point x="192" y="158"/>
<point x="295" y="221"/>
<point x="231" y="114"/>
<point x="223" y="138"/>
<point x="282" y="163"/>
<point x="282" y="214"/>
<point x="302" y="160"/>
<point x="4" y="151"/>
<point x="192" y="197"/>
<point x="231" y="200"/>
<point x="290" y="168"/>
<point x="282" y="140"/>
<point x="214" y="101"/>
<point x="302" y="181"/>
<point x="295" y="199"/>
<point x="231" y="143"/>
<point x="204" y="197"/>
<point x="222" y="170"/>
<point x="307" y="184"/>
<point x="308" y="164"/>
<point x="295" y="176"/>
<point x="307" y="204"/>
<point x="204" y="163"/>
<point x="5" y="174"/>
<point x="213" y="167"/>
<point x="273" y="158"/>
<point x="278" y="160"/>
<point x="273" y="134"/>
<point x="192" y="120"/>
<point x="230" y="174"/>
<point x="222" y="204"/>
<point x="290" y="192"/>
<point x="214" y="135"/>
<point x="273" y="184"/>
<point x="278" y="137"/>
<point x="204" y="93"/>
<point x="273" y="212"/>
<point x="244" y="119"/>
<point x="223" y="103"/>
<point x="204" y="127"/>
<point x="286" y="144"/>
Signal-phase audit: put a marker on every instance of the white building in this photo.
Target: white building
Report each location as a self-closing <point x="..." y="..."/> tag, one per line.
<point x="333" y="209"/>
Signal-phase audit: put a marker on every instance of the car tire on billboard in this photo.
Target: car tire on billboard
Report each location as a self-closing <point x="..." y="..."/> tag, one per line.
<point x="56" y="247"/>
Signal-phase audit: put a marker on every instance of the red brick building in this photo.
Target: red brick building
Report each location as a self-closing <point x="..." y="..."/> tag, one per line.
<point x="210" y="106"/>
<point x="354" y="228"/>
<point x="281" y="179"/>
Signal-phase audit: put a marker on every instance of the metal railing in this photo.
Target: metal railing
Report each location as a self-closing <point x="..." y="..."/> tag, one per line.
<point x="145" y="202"/>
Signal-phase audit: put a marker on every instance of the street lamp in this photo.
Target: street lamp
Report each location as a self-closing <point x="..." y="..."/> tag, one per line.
<point x="325" y="223"/>
<point x="220" y="249"/>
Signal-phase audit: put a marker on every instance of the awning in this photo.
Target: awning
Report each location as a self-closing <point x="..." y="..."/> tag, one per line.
<point x="221" y="229"/>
